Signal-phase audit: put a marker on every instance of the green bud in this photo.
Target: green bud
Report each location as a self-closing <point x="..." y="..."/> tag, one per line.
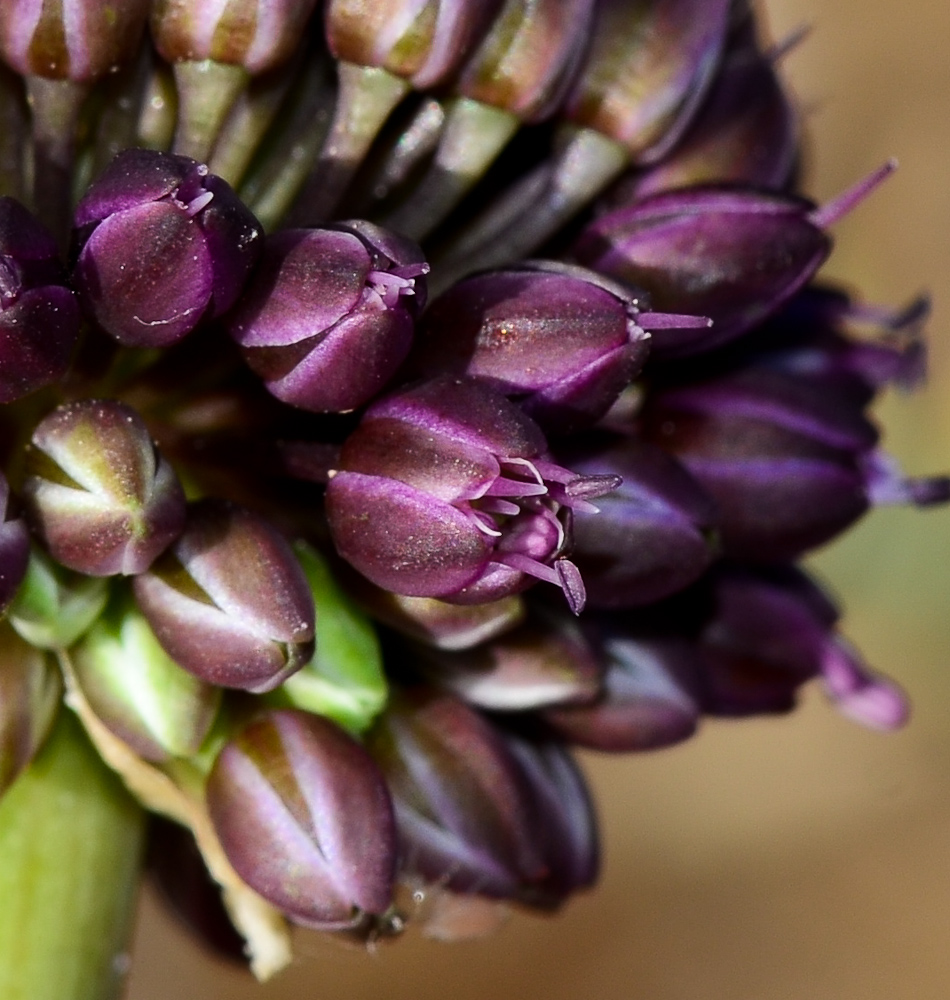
<point x="30" y="689"/>
<point x="138" y="691"/>
<point x="54" y="605"/>
<point x="344" y="679"/>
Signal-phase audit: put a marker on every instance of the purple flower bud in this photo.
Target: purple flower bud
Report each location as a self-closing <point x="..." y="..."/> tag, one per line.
<point x="39" y="316"/>
<point x="789" y="464"/>
<point x="545" y="661"/>
<point x="250" y="33"/>
<point x="809" y="338"/>
<point x="229" y="602"/>
<point x="530" y="57"/>
<point x="329" y="315"/>
<point x="30" y="690"/>
<point x="746" y="132"/>
<point x="444" y="491"/>
<point x="653" y="535"/>
<point x="97" y="492"/>
<point x="14" y="548"/>
<point x="71" y="39"/>
<point x="138" y="692"/>
<point x="651" y="695"/>
<point x="560" y="340"/>
<point x="422" y="41"/>
<point x="734" y="256"/>
<point x="304" y="816"/>
<point x="565" y="821"/>
<point x="161" y="244"/>
<point x="771" y="630"/>
<point x="465" y="816"/>
<point x="647" y="69"/>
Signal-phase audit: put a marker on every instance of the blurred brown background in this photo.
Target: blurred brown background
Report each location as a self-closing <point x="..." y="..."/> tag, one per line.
<point x="799" y="857"/>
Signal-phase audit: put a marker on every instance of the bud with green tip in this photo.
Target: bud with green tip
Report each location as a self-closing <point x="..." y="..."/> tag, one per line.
<point x="98" y="494"/>
<point x="229" y="601"/>
<point x="30" y="689"/>
<point x="304" y="816"/>
<point x="138" y="691"/>
<point x="55" y="606"/>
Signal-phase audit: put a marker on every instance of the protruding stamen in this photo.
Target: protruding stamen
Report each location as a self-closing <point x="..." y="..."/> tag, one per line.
<point x="871" y="700"/>
<point x="788" y="44"/>
<point x="829" y="213"/>
<point x="672" y="321"/>
<point x="502" y="487"/>
<point x="887" y="485"/>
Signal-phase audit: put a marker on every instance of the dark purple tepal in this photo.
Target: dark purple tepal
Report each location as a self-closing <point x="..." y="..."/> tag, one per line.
<point x="480" y="811"/>
<point x="329" y="314"/>
<point x="39" y="316"/>
<point x="652" y="536"/>
<point x="789" y="463"/>
<point x="769" y="631"/>
<point x="444" y="490"/>
<point x="560" y="340"/>
<point x="732" y="254"/>
<point x="161" y="244"/>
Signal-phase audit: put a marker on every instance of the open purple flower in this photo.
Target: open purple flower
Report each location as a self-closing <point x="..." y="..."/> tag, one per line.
<point x="444" y="490"/>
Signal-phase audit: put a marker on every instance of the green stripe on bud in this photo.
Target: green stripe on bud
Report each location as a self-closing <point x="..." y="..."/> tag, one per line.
<point x="54" y="606"/>
<point x="138" y="691"/>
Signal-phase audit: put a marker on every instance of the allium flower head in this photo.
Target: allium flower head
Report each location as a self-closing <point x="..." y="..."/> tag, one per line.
<point x="272" y="523"/>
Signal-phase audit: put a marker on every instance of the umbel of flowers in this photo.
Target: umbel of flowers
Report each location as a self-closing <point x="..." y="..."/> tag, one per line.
<point x="394" y="397"/>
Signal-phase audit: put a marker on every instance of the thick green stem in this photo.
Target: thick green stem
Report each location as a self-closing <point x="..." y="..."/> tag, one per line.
<point x="70" y="847"/>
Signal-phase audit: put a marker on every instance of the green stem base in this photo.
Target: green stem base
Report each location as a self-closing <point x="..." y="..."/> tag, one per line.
<point x="70" y="848"/>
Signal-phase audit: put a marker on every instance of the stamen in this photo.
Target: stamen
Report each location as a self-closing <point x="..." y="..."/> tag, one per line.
<point x="499" y="506"/>
<point x="672" y="321"/>
<point x="389" y="286"/>
<point x="502" y="487"/>
<point x="886" y="485"/>
<point x="530" y="466"/>
<point x="481" y="521"/>
<point x="829" y="213"/>
<point x="572" y="584"/>
<point x="525" y="564"/>
<point x="873" y="701"/>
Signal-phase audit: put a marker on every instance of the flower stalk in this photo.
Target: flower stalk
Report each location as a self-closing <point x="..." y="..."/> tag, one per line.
<point x="70" y="846"/>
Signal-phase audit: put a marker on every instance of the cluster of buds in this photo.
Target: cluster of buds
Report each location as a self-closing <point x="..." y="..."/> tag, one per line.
<point x="350" y="571"/>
